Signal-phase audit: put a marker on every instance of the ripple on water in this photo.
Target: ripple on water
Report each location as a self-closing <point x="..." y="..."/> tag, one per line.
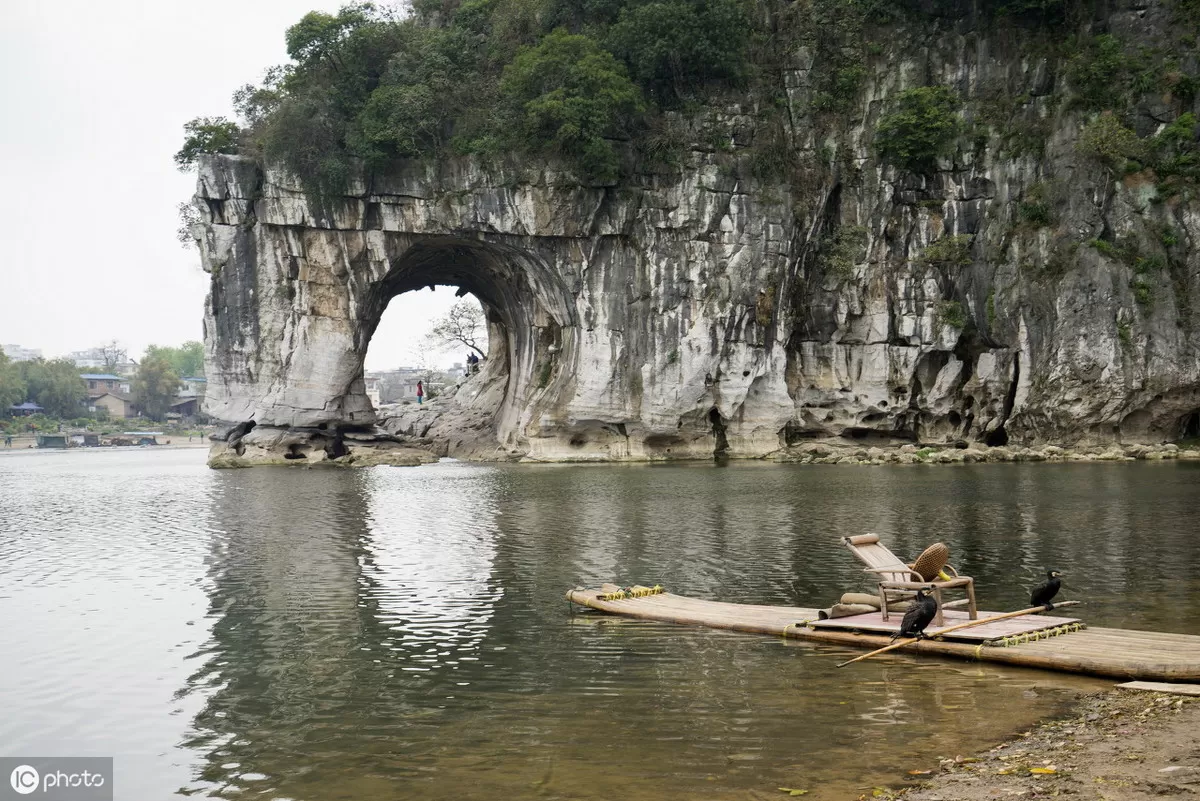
<point x="312" y="634"/>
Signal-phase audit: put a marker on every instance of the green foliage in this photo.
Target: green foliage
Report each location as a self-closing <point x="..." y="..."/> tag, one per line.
<point x="948" y="252"/>
<point x="1108" y="142"/>
<point x="1036" y="209"/>
<point x="842" y="250"/>
<point x="1125" y="334"/>
<point x="1098" y="73"/>
<point x="54" y="385"/>
<point x="951" y="313"/>
<point x="921" y="129"/>
<point x="572" y="97"/>
<point x="206" y="135"/>
<point x="835" y="32"/>
<point x="317" y="36"/>
<point x="155" y="385"/>
<point x="544" y="374"/>
<point x="1175" y="154"/>
<point x="12" y="385"/>
<point x="1049" y="12"/>
<point x="673" y="47"/>
<point x="186" y="361"/>
<point x="412" y="109"/>
<point x="1036" y="213"/>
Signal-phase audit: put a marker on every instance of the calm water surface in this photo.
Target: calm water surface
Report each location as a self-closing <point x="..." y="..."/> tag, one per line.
<point x="401" y="633"/>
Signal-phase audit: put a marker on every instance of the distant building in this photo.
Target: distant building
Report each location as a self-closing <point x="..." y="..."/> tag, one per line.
<point x="374" y="391"/>
<point x="24" y="409"/>
<point x="100" y="383"/>
<point x="18" y="354"/>
<point x="192" y="387"/>
<point x="119" y="405"/>
<point x="185" y="407"/>
<point x="94" y="358"/>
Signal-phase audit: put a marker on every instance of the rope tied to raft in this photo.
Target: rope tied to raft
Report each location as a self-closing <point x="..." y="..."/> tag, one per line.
<point x="803" y="624"/>
<point x="1034" y="636"/>
<point x="632" y="592"/>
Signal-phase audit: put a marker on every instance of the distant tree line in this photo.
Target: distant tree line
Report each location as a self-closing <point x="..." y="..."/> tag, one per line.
<point x="56" y="385"/>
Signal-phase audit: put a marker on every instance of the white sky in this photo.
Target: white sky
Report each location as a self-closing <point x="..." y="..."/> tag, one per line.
<point x="93" y="98"/>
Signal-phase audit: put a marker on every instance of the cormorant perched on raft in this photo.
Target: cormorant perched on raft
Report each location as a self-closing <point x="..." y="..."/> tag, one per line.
<point x="920" y="614"/>
<point x="1043" y="593"/>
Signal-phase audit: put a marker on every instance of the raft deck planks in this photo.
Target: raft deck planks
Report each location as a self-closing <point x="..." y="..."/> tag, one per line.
<point x="1118" y="653"/>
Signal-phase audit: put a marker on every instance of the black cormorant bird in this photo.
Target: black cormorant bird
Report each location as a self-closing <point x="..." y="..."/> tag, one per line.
<point x="1043" y="593"/>
<point x="920" y="614"/>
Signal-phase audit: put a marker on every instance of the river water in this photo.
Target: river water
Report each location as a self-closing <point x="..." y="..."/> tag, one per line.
<point x="401" y="633"/>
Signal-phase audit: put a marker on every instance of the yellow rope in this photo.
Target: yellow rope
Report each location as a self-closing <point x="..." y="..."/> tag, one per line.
<point x="1034" y="636"/>
<point x="630" y="592"/>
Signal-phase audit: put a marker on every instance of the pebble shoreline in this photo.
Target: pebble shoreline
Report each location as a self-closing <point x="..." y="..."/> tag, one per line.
<point x="825" y="452"/>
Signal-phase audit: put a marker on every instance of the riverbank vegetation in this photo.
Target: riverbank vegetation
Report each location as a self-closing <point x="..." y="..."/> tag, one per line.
<point x="57" y="388"/>
<point x="596" y="84"/>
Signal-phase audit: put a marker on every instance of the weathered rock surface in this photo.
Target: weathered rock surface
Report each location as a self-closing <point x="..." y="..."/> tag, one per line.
<point x="697" y="310"/>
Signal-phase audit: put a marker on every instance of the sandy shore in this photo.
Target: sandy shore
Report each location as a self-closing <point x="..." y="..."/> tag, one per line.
<point x="26" y="443"/>
<point x="1122" y="745"/>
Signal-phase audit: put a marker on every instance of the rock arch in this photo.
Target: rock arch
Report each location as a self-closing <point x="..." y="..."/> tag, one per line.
<point x="530" y="314"/>
<point x="613" y="306"/>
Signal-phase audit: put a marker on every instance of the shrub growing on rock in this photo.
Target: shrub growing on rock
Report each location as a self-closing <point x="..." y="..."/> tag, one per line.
<point x="921" y="129"/>
<point x="1108" y="142"/>
<point x="571" y="97"/>
<point x="206" y="135"/>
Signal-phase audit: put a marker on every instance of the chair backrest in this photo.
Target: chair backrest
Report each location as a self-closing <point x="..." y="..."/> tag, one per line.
<point x="873" y="553"/>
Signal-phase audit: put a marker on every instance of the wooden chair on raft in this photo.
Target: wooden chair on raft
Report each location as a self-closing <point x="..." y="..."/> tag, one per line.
<point x="900" y="581"/>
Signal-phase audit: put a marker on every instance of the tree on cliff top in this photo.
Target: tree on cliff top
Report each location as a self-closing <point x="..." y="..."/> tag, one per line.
<point x="572" y="98"/>
<point x="155" y="385"/>
<point x="206" y="135"/>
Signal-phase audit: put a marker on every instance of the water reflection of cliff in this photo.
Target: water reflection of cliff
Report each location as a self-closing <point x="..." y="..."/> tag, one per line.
<point x="341" y="601"/>
<point x="402" y="633"/>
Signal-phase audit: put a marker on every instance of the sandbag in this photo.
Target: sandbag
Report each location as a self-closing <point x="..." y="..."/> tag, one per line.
<point x="845" y="610"/>
<point x="867" y="599"/>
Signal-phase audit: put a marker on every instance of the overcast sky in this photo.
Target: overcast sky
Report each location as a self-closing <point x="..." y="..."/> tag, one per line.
<point x="93" y="98"/>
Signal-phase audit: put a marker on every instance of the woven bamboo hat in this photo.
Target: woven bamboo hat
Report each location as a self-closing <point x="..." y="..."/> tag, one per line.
<point x="931" y="561"/>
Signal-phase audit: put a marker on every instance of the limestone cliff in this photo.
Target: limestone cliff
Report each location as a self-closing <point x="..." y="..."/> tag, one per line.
<point x="709" y="307"/>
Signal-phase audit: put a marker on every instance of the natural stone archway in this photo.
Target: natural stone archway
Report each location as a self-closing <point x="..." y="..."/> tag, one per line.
<point x="710" y="306"/>
<point x="532" y="331"/>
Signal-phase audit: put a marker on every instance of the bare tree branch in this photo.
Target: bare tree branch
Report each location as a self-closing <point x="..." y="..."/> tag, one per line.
<point x="463" y="324"/>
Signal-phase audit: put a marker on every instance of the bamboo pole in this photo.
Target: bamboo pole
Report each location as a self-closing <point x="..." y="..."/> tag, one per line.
<point x="1031" y="610"/>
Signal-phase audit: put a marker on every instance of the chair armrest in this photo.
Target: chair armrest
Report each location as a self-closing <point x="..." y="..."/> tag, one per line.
<point x="901" y="569"/>
<point x="950" y="570"/>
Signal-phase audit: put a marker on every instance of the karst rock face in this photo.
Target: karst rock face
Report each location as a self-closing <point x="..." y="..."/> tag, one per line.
<point x="707" y="307"/>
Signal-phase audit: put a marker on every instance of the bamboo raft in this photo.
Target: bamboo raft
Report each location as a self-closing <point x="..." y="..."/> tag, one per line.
<point x="1043" y="642"/>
